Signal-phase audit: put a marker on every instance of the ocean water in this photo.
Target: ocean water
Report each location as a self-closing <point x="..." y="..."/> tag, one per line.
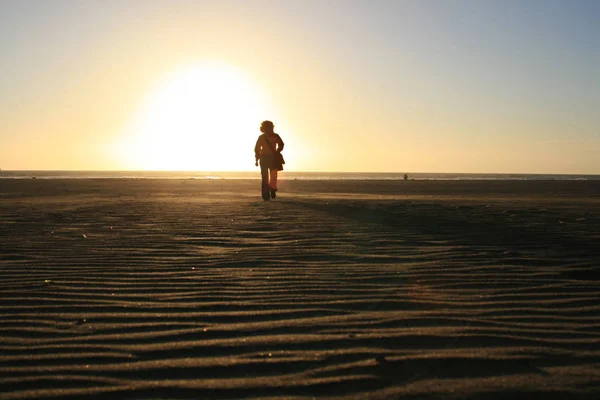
<point x="284" y="175"/>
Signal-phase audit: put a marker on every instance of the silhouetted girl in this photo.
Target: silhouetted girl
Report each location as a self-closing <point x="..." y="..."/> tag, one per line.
<point x="268" y="151"/>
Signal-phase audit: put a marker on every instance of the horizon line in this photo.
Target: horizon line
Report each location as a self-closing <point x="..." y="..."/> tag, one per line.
<point x="298" y="172"/>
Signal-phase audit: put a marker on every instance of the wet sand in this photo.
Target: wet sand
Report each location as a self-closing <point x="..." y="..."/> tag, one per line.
<point x="144" y="289"/>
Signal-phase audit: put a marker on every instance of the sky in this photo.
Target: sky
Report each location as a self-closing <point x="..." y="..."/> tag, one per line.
<point x="352" y="86"/>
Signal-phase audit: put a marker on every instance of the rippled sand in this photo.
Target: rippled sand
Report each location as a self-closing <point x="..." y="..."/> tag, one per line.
<point x="199" y="289"/>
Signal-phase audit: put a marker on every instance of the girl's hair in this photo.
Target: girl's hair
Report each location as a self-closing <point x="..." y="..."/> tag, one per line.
<point x="264" y="125"/>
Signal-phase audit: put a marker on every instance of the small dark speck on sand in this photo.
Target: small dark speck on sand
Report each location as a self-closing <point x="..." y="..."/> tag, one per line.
<point x="381" y="360"/>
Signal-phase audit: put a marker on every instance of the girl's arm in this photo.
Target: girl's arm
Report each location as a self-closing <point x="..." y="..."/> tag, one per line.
<point x="257" y="149"/>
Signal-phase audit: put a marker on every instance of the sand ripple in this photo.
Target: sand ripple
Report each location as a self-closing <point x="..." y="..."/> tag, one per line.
<point x="136" y="290"/>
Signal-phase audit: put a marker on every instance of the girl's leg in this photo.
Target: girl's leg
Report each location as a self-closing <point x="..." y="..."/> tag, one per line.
<point x="264" y="173"/>
<point x="273" y="181"/>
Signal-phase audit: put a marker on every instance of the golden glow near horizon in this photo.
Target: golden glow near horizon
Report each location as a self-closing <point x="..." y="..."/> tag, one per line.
<point x="398" y="86"/>
<point x="200" y="117"/>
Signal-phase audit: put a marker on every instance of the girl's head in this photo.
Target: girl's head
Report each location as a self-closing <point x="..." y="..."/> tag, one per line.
<point x="266" y="127"/>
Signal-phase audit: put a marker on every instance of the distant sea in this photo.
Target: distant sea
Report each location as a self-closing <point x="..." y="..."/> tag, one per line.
<point x="285" y="175"/>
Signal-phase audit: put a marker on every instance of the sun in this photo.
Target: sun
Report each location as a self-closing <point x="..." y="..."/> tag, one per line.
<point x="202" y="117"/>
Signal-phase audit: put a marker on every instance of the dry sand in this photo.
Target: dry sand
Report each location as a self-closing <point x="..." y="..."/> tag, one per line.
<point x="199" y="289"/>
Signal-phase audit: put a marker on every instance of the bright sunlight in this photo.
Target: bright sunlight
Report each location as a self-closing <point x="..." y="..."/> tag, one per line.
<point x="203" y="117"/>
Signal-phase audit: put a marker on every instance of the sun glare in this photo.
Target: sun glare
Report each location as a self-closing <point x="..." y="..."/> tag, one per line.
<point x="200" y="118"/>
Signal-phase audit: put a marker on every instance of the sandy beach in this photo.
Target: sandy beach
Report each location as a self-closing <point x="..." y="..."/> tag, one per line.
<point x="191" y="289"/>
